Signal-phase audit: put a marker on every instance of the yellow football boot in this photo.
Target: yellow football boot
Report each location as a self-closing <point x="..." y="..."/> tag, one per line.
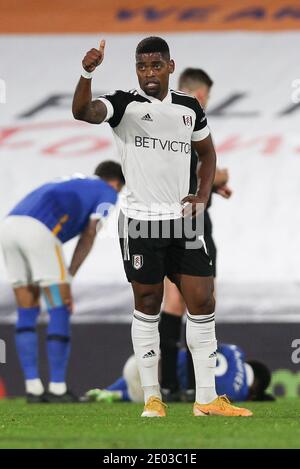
<point x="220" y="406"/>
<point x="154" y="407"/>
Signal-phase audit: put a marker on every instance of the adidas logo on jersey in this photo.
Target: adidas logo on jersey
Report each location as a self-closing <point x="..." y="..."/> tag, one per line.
<point x="147" y="117"/>
<point x="150" y="354"/>
<point x="213" y="355"/>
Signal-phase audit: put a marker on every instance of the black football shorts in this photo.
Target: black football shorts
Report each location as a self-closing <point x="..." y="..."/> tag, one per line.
<point x="152" y="250"/>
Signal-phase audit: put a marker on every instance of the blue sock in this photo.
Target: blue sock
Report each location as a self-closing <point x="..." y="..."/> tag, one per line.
<point x="125" y="395"/>
<point x="120" y="385"/>
<point x="58" y="343"/>
<point x="26" y="341"/>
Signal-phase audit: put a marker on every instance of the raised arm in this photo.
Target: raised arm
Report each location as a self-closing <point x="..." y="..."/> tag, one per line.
<point x="83" y="107"/>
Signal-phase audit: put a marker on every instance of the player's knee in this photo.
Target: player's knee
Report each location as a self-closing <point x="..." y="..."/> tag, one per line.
<point x="177" y="308"/>
<point x="149" y="303"/>
<point x="67" y="300"/>
<point x="208" y="305"/>
<point x="205" y="305"/>
<point x="57" y="296"/>
<point x="174" y="304"/>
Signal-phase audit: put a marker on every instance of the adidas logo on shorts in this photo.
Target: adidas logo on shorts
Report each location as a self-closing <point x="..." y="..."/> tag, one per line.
<point x="147" y="117"/>
<point x="150" y="354"/>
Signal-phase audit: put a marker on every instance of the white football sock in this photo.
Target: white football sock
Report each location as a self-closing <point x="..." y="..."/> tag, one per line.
<point x="151" y="391"/>
<point x="145" y="340"/>
<point x="58" y="388"/>
<point x="201" y="340"/>
<point x="34" y="386"/>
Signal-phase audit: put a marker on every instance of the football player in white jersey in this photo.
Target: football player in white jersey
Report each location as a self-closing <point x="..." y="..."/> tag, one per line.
<point x="154" y="128"/>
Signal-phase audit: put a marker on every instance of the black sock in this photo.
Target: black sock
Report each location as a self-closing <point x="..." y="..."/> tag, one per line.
<point x="169" y="329"/>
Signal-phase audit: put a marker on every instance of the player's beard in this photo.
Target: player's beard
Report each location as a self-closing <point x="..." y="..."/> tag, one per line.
<point x="154" y="91"/>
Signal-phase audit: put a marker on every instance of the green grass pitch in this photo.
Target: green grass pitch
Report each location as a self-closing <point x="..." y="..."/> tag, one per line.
<point x="119" y="426"/>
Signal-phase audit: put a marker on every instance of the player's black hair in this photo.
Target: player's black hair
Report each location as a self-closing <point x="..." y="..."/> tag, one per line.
<point x="110" y="170"/>
<point x="262" y="379"/>
<point x="196" y="75"/>
<point x="153" y="44"/>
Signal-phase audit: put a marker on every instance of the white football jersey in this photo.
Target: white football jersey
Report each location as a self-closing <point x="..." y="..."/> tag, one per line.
<point x="154" y="142"/>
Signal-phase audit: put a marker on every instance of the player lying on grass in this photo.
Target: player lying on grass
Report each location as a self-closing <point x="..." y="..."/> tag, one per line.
<point x="238" y="379"/>
<point x="32" y="236"/>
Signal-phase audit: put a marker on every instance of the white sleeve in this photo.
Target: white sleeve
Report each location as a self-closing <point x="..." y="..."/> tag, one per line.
<point x="103" y="211"/>
<point x="109" y="107"/>
<point x="201" y="134"/>
<point x="95" y="216"/>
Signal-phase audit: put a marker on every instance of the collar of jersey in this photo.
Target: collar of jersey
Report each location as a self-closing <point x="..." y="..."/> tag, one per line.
<point x="167" y="99"/>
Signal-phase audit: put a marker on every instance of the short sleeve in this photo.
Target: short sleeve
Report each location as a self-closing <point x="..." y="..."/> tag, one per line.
<point x="109" y="107"/>
<point x="201" y="129"/>
<point x="116" y="104"/>
<point x="104" y="207"/>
